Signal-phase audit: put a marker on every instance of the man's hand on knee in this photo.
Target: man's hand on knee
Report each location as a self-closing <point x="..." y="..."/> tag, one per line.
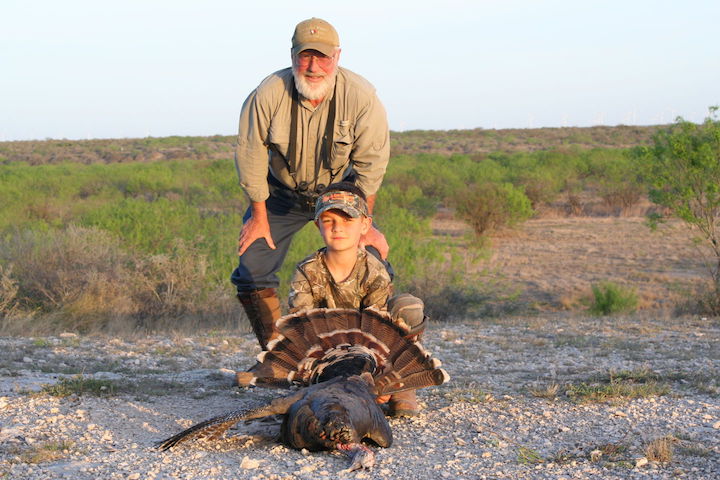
<point x="253" y="229"/>
<point x="375" y="238"/>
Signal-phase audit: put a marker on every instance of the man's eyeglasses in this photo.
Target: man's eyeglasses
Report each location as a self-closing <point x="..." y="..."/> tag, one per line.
<point x="304" y="59"/>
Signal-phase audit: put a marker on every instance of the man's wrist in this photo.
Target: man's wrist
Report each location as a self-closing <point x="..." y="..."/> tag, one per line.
<point x="370" y="204"/>
<point x="258" y="209"/>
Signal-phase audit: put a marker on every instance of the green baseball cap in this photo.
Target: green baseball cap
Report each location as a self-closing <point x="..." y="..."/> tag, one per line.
<point x="315" y="34"/>
<point x="347" y="202"/>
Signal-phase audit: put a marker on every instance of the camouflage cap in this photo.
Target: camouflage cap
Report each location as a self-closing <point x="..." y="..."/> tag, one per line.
<point x="315" y="34"/>
<point x="347" y="202"/>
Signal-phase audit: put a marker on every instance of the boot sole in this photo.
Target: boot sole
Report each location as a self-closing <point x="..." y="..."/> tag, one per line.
<point x="404" y="412"/>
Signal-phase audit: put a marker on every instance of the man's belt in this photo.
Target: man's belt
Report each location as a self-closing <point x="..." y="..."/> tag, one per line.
<point x="305" y="197"/>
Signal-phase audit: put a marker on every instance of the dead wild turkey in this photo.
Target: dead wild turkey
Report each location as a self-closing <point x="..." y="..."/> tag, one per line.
<point x="343" y="359"/>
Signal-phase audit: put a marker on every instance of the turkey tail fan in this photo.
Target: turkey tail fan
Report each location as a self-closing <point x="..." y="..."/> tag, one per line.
<point x="426" y="378"/>
<point x="293" y="328"/>
<point x="308" y="324"/>
<point x="295" y="347"/>
<point x="342" y="321"/>
<point x="411" y="359"/>
<point x="304" y="338"/>
<point x="324" y="321"/>
<point x="313" y="340"/>
<point x="312" y="333"/>
<point x="412" y="367"/>
<point x="380" y="325"/>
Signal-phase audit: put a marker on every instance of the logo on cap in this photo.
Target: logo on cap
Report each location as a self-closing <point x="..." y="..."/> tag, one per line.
<point x="341" y="200"/>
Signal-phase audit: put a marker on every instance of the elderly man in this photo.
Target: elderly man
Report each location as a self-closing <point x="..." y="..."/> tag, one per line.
<point x="302" y="129"/>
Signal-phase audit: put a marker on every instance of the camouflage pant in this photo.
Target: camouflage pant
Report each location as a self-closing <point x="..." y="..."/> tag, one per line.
<point x="407" y="312"/>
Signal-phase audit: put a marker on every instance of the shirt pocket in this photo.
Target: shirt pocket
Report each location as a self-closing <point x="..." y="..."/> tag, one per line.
<point x="279" y="139"/>
<point x="342" y="146"/>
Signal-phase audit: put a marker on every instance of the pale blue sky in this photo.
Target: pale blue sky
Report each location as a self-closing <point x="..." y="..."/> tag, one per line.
<point x="136" y="68"/>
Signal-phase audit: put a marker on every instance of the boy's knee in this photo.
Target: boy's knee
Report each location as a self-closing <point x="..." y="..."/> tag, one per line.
<point x="408" y="313"/>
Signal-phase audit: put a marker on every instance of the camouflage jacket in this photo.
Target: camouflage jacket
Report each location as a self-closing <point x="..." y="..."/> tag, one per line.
<point x="313" y="286"/>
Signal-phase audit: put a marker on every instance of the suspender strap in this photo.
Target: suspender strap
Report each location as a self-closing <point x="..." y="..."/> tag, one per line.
<point x="291" y="159"/>
<point x="329" y="132"/>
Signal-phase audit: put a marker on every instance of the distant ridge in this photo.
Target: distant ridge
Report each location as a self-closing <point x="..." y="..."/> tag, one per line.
<point x="445" y="142"/>
<point x="513" y="140"/>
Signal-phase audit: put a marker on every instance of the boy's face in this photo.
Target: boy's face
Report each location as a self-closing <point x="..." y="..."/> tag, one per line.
<point x="340" y="231"/>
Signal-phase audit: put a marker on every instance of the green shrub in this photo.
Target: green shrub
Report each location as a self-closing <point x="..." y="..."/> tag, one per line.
<point x="617" y="178"/>
<point x="411" y="198"/>
<point x="412" y="248"/>
<point x="425" y="267"/>
<point x="683" y="168"/>
<point x="544" y="174"/>
<point x="610" y="298"/>
<point x="435" y="176"/>
<point x="109" y="239"/>
<point x="489" y="206"/>
<point x="540" y="186"/>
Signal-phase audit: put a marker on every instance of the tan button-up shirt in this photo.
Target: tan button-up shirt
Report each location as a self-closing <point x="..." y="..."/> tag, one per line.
<point x="360" y="136"/>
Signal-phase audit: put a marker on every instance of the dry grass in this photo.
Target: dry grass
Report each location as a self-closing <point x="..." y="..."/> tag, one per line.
<point x="660" y="450"/>
<point x="615" y="392"/>
<point x="614" y="454"/>
<point x="618" y="387"/>
<point x="464" y="392"/>
<point x="8" y="292"/>
<point x="44" y="452"/>
<point x="81" y="279"/>
<point x="548" y="264"/>
<point x="528" y="456"/>
<point x="79" y="385"/>
<point x="548" y="391"/>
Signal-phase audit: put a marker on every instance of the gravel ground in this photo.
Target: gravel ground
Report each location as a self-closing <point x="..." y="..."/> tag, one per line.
<point x="497" y="417"/>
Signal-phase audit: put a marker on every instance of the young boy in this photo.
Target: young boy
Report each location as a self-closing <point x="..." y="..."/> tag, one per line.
<point x="344" y="275"/>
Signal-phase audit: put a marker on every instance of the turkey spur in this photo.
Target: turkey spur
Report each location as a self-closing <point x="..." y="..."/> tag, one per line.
<point x="343" y="359"/>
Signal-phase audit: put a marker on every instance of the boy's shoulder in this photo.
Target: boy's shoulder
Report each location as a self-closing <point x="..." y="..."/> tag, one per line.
<point x="372" y="261"/>
<point x="314" y="266"/>
<point x="376" y="269"/>
<point x="311" y="260"/>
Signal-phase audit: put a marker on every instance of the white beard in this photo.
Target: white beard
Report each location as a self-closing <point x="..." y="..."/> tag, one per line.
<point x="313" y="91"/>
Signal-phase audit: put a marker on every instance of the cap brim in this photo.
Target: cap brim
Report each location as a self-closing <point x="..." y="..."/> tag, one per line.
<point x="350" y="210"/>
<point x="323" y="48"/>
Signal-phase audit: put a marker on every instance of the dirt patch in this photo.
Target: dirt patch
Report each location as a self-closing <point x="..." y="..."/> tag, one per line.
<point x="554" y="261"/>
